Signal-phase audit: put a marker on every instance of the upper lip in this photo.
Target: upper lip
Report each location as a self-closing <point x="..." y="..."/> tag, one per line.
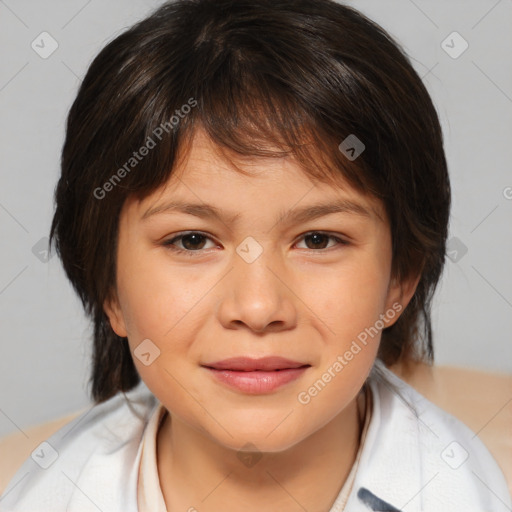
<point x="250" y="364"/>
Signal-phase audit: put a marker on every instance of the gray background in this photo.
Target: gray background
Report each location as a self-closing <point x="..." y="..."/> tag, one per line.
<point x="44" y="363"/>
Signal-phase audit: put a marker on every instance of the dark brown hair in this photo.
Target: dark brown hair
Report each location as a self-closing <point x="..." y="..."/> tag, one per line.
<point x="261" y="77"/>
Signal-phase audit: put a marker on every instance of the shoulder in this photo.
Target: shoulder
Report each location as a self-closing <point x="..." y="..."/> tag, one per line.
<point x="84" y="462"/>
<point x="432" y="460"/>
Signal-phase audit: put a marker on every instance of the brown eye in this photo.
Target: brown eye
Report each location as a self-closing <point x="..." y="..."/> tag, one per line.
<point x="190" y="242"/>
<point x="193" y="241"/>
<point x="318" y="240"/>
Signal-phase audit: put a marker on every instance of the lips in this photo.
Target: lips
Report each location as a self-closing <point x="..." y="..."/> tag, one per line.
<point x="256" y="376"/>
<point x="247" y="364"/>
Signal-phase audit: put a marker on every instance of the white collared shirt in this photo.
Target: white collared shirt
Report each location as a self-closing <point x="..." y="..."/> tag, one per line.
<point x="415" y="458"/>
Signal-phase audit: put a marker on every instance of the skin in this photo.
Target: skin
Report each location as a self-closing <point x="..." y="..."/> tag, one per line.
<point x="304" y="299"/>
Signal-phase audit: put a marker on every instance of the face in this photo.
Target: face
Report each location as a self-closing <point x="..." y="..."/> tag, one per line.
<point x="253" y="272"/>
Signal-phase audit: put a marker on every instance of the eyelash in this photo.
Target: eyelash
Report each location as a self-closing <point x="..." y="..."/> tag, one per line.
<point x="169" y="244"/>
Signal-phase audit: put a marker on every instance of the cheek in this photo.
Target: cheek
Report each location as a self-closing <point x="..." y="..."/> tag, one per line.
<point x="352" y="298"/>
<point x="156" y="307"/>
<point x="160" y="304"/>
<point x="153" y="295"/>
<point x="349" y="305"/>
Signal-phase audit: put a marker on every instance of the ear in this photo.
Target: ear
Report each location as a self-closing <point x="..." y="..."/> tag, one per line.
<point x="115" y="315"/>
<point x="399" y="295"/>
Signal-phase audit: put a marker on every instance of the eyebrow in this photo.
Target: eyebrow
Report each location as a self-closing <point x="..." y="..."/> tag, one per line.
<point x="297" y="215"/>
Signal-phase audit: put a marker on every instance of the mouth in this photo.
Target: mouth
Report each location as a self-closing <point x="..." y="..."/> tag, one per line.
<point x="248" y="364"/>
<point x="256" y="376"/>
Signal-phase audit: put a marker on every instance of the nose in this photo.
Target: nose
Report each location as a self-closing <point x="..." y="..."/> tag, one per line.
<point x="257" y="296"/>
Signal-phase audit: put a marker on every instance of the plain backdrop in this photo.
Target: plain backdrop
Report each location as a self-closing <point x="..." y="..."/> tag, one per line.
<point x="45" y="344"/>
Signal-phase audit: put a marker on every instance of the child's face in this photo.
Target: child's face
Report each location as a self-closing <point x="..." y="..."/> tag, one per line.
<point x="303" y="298"/>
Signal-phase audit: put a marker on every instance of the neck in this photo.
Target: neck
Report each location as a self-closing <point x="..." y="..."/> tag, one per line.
<point x="196" y="471"/>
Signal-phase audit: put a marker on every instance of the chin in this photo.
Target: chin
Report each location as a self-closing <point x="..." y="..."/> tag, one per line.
<point x="269" y="437"/>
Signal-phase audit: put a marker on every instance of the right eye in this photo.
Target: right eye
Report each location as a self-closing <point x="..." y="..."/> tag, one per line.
<point x="192" y="242"/>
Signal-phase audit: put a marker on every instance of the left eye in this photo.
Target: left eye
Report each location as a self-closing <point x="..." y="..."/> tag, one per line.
<point x="318" y="239"/>
<point x="195" y="241"/>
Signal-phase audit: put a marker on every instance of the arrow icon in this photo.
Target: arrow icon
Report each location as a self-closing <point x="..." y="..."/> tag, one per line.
<point x="455" y="249"/>
<point x="44" y="455"/>
<point x="250" y="458"/>
<point x="454" y="45"/>
<point x="351" y="147"/>
<point x="146" y="352"/>
<point x="249" y="253"/>
<point x="44" y="45"/>
<point x="453" y="254"/>
<point x="41" y="250"/>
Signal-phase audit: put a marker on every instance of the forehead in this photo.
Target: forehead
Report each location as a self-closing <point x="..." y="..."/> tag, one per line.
<point x="206" y="173"/>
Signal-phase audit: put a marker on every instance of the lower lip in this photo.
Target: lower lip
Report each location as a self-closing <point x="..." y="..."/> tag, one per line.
<point x="257" y="382"/>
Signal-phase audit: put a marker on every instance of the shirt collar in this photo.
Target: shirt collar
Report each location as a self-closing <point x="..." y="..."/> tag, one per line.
<point x="149" y="492"/>
<point x="392" y="450"/>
